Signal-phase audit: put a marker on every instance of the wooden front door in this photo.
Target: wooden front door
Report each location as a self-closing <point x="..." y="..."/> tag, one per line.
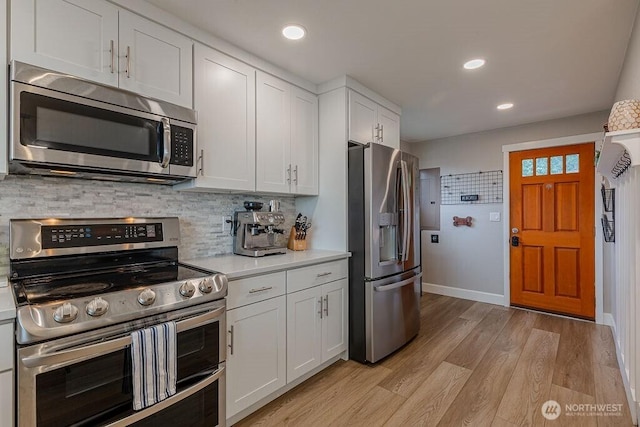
<point x="552" y="229"/>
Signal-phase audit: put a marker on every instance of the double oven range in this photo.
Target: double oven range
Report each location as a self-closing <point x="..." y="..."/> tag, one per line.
<point x="82" y="286"/>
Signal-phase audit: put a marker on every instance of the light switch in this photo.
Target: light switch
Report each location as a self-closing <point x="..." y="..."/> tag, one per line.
<point x="494" y="216"/>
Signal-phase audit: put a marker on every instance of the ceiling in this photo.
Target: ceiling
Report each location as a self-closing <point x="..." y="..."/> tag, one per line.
<point x="550" y="58"/>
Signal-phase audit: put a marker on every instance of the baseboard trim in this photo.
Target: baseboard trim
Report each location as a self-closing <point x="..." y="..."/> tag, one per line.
<point x="607" y="319"/>
<point x="463" y="293"/>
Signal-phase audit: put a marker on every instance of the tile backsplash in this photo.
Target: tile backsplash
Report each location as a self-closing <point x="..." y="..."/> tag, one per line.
<point x="200" y="213"/>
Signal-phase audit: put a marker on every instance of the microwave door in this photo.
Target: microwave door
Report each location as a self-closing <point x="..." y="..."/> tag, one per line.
<point x="54" y="128"/>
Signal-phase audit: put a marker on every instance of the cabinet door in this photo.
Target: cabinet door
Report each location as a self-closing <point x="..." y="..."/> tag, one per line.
<point x="304" y="142"/>
<point x="256" y="354"/>
<point x="225" y="98"/>
<point x="362" y="118"/>
<point x="273" y="134"/>
<point x="304" y="332"/>
<point x="6" y="399"/>
<point x="69" y="36"/>
<point x="155" y="61"/>
<point x="389" y="127"/>
<point x="334" y="326"/>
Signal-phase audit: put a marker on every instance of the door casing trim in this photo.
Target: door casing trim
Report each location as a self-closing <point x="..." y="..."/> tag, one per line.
<point x="545" y="143"/>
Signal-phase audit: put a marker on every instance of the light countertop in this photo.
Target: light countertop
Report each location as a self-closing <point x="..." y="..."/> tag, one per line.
<point x="238" y="266"/>
<point x="7" y="304"/>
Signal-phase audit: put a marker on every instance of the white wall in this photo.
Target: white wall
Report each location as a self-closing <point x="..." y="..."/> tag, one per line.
<point x="472" y="258"/>
<point x="629" y="83"/>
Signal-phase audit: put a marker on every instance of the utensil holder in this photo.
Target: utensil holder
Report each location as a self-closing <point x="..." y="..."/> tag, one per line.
<point x="296" y="244"/>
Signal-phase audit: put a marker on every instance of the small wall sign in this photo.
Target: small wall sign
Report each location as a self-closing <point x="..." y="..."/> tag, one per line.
<point x="469" y="198"/>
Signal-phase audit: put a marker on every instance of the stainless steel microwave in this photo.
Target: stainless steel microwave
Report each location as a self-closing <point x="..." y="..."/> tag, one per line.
<point x="65" y="126"/>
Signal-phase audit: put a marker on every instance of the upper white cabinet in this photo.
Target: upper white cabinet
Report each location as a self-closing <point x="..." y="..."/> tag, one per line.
<point x="225" y="99"/>
<point x="86" y="38"/>
<point x="286" y="137"/>
<point x="154" y="60"/>
<point x="3" y="91"/>
<point x="370" y="122"/>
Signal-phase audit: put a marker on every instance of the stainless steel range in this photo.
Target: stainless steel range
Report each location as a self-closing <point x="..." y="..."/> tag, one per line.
<point x="82" y="286"/>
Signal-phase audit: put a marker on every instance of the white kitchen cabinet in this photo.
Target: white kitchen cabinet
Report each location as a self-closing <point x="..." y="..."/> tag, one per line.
<point x="4" y="142"/>
<point x="370" y="122"/>
<point x="96" y="40"/>
<point x="6" y="374"/>
<point x="316" y="316"/>
<point x="256" y="356"/>
<point x="304" y="142"/>
<point x="225" y="98"/>
<point x="304" y="331"/>
<point x="6" y="399"/>
<point x="286" y="137"/>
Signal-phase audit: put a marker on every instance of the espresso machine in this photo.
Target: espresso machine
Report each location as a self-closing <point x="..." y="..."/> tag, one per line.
<point x="258" y="233"/>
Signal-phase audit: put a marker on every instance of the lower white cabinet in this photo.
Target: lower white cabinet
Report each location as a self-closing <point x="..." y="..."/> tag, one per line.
<point x="256" y="354"/>
<point x="6" y="399"/>
<point x="6" y="374"/>
<point x="316" y="326"/>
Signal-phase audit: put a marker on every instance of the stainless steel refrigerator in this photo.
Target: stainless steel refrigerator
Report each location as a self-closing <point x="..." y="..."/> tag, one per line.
<point x="384" y="239"/>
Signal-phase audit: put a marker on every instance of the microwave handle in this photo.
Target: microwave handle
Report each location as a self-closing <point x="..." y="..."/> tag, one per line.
<point x="106" y="347"/>
<point x="166" y="142"/>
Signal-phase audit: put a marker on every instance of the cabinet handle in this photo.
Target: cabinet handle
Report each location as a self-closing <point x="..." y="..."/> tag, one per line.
<point x="328" y="273"/>
<point x="326" y="306"/>
<point x="111" y="51"/>
<point x="265" y="288"/>
<point x="295" y="173"/>
<point x="382" y="133"/>
<point x="201" y="159"/>
<point x="127" y="70"/>
<point x="377" y="137"/>
<point x="231" y="339"/>
<point x="289" y="174"/>
<point x="320" y="302"/>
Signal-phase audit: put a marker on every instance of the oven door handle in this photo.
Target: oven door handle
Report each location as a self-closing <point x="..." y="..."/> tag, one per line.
<point x="111" y="345"/>
<point x="144" y="413"/>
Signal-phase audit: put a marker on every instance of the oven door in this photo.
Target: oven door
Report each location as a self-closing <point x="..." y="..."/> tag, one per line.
<point x="71" y="382"/>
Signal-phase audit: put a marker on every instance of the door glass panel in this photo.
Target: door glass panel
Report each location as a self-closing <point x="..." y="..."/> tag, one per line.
<point x="573" y="163"/>
<point x="541" y="166"/>
<point x="527" y="167"/>
<point x="556" y="165"/>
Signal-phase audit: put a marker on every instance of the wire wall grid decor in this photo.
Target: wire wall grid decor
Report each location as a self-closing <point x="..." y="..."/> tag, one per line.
<point x="471" y="188"/>
<point x="608" y="199"/>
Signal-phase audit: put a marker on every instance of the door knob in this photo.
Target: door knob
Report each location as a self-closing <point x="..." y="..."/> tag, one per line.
<point x="515" y="230"/>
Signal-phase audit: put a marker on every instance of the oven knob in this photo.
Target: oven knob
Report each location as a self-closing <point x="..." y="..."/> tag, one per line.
<point x="97" y="307"/>
<point x="206" y="285"/>
<point x="147" y="297"/>
<point x="65" y="313"/>
<point x="187" y="290"/>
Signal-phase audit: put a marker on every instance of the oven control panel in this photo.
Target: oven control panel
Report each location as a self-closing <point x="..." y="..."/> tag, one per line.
<point x="59" y="236"/>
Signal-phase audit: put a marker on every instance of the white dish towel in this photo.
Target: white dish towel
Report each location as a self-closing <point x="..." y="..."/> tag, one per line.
<point x="153" y="360"/>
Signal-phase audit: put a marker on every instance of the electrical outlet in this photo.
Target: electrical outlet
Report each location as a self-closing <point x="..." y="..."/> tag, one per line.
<point x="226" y="223"/>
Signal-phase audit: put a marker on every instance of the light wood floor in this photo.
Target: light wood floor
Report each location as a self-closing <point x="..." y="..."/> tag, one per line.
<point x="472" y="364"/>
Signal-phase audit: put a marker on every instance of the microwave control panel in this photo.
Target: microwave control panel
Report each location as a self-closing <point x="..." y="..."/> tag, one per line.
<point x="181" y="146"/>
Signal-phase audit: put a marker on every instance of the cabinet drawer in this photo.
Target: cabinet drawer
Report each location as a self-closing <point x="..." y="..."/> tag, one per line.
<point x="307" y="277"/>
<point x="254" y="289"/>
<point x="6" y="349"/>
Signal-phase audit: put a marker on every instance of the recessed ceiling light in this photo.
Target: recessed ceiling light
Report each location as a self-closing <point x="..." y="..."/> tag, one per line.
<point x="505" y="106"/>
<point x="474" y="63"/>
<point x="293" y="32"/>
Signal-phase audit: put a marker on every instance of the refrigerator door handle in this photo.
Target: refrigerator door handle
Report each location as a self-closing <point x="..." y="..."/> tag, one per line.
<point x="393" y="286"/>
<point x="405" y="206"/>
